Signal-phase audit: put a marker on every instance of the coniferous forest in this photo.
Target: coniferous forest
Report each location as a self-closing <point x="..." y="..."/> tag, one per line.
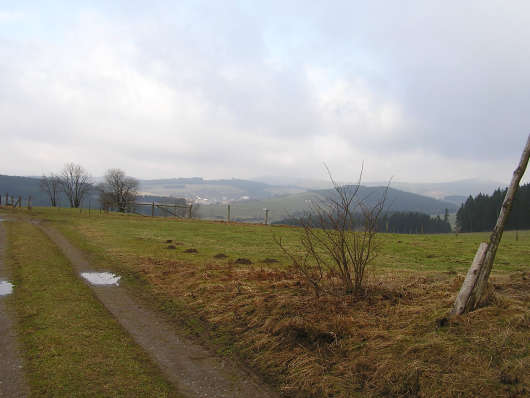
<point x="413" y="223"/>
<point x="480" y="213"/>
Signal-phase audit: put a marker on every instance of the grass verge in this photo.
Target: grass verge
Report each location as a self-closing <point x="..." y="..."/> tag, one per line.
<point x="387" y="344"/>
<point x="72" y="346"/>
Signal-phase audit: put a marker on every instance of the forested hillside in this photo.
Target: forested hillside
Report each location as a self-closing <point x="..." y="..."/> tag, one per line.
<point x="25" y="187"/>
<point x="480" y="213"/>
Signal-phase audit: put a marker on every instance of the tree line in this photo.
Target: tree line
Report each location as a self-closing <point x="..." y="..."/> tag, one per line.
<point x="480" y="213"/>
<point x="117" y="191"/>
<point x="414" y="223"/>
<point x="394" y="222"/>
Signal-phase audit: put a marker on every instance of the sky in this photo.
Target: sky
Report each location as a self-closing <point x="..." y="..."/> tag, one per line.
<point x="411" y="90"/>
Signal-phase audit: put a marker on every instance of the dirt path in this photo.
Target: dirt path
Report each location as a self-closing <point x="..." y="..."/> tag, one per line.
<point x="192" y="368"/>
<point x="12" y="382"/>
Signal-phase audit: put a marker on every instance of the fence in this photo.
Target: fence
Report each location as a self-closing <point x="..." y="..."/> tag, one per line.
<point x="171" y="209"/>
<point x="235" y="213"/>
<point x="12" y="201"/>
<point x="174" y="210"/>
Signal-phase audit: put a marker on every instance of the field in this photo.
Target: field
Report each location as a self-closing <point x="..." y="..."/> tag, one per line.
<point x="389" y="343"/>
<point x="71" y="346"/>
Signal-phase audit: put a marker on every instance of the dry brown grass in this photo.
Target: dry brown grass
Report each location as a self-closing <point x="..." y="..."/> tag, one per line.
<point x="389" y="343"/>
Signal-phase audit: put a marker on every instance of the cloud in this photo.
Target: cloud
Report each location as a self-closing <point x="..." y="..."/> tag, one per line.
<point x="416" y="90"/>
<point x="10" y="16"/>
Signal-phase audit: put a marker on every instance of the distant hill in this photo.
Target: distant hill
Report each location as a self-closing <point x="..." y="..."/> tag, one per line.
<point x="23" y="186"/>
<point x="444" y="190"/>
<point x="456" y="199"/>
<point x="281" y="207"/>
<point x="212" y="191"/>
<point x="451" y="189"/>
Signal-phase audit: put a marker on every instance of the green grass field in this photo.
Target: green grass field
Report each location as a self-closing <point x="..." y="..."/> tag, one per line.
<point x="385" y="344"/>
<point x="71" y="345"/>
<point x="147" y="236"/>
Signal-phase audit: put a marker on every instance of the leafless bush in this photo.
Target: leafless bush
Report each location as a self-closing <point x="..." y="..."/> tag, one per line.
<point x="338" y="240"/>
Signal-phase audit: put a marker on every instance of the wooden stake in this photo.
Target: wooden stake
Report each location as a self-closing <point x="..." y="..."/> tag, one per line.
<point x="474" y="286"/>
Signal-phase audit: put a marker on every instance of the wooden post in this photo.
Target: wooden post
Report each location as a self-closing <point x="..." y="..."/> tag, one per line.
<point x="153" y="209"/>
<point x="19" y="202"/>
<point x="228" y="214"/>
<point x="29" y="202"/>
<point x="474" y="285"/>
<point x="266" y="216"/>
<point x="189" y="210"/>
<point x="7" y="198"/>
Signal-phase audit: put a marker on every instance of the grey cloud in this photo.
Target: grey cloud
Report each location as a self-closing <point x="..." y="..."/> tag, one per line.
<point x="277" y="86"/>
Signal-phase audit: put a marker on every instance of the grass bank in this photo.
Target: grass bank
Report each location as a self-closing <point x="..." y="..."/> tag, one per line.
<point x="387" y="344"/>
<point x="71" y="345"/>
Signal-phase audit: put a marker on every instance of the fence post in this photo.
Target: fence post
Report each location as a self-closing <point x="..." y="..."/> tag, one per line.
<point x="266" y="216"/>
<point x="7" y="198"/>
<point x="29" y="202"/>
<point x="19" y="202"/>
<point x="189" y="210"/>
<point x="153" y="209"/>
<point x="228" y="214"/>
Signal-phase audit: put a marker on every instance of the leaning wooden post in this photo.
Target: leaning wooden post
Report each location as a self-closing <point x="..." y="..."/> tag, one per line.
<point x="189" y="210"/>
<point x="474" y="285"/>
<point x="228" y="214"/>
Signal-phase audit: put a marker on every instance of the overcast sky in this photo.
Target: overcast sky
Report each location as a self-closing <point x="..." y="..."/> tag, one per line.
<point x="418" y="90"/>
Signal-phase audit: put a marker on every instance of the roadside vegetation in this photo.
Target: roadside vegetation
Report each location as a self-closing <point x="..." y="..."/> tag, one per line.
<point x="71" y="345"/>
<point x="233" y="287"/>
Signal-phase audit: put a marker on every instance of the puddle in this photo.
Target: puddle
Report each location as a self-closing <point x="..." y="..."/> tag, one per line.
<point x="5" y="288"/>
<point x="101" y="278"/>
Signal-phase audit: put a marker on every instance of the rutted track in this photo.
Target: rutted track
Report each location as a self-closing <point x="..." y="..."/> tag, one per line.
<point x="12" y="382"/>
<point x="194" y="369"/>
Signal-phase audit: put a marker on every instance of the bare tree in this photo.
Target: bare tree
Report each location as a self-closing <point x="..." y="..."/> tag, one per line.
<point x="75" y="183"/>
<point x="337" y="240"/>
<point x="118" y="190"/>
<point x="51" y="186"/>
<point x="474" y="287"/>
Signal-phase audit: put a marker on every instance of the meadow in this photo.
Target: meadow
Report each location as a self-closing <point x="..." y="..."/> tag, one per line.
<point x="231" y="287"/>
<point x="71" y="346"/>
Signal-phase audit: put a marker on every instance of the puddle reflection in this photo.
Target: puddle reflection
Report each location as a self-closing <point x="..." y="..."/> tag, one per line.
<point x="101" y="278"/>
<point x="5" y="288"/>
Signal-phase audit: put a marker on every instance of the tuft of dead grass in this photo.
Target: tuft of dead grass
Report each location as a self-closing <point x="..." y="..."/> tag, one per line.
<point x="388" y="343"/>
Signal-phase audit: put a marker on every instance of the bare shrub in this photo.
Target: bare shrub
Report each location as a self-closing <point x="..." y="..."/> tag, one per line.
<point x="337" y="240"/>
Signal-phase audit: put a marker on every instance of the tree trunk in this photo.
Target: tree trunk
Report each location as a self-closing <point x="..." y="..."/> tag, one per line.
<point x="474" y="285"/>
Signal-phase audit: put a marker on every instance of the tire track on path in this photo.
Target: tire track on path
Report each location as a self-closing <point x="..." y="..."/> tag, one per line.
<point x="192" y="368"/>
<point x="12" y="381"/>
